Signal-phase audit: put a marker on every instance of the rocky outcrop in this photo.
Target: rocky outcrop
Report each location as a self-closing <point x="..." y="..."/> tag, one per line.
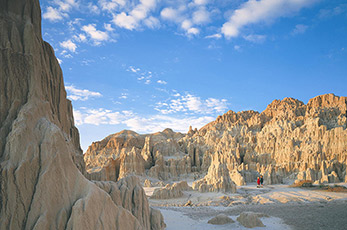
<point x="128" y="193"/>
<point x="41" y="175"/>
<point x="171" y="191"/>
<point x="221" y="219"/>
<point x="218" y="176"/>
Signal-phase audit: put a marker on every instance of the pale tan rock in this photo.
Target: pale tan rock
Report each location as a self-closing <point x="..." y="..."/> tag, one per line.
<point x="250" y="219"/>
<point x="218" y="176"/>
<point x="221" y="219"/>
<point x="42" y="172"/>
<point x="171" y="191"/>
<point x="288" y="138"/>
<point x="147" y="183"/>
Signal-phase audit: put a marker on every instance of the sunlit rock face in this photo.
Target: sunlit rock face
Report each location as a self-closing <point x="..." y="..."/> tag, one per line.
<point x="42" y="173"/>
<point x="288" y="140"/>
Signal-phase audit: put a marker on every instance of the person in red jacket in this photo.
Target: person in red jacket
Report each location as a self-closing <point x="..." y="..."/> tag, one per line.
<point x="258" y="182"/>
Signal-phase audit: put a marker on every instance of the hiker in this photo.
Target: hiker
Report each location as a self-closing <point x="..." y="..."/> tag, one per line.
<point x="261" y="180"/>
<point x="258" y="182"/>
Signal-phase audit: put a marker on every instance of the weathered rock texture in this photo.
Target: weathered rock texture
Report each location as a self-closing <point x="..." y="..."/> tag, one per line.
<point x="220" y="220"/>
<point x="171" y="191"/>
<point x="251" y="219"/>
<point x="41" y="175"/>
<point x="288" y="140"/>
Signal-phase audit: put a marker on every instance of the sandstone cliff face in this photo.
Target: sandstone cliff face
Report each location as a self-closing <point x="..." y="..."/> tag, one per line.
<point x="288" y="140"/>
<point x="41" y="187"/>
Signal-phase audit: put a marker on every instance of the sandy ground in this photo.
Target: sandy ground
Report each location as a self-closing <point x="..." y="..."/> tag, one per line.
<point x="288" y="208"/>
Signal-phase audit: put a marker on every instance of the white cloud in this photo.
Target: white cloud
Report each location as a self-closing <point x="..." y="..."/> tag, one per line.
<point x="253" y="12"/>
<point x="108" y="27"/>
<point x="63" y="7"/>
<point x="161" y="82"/>
<point x="80" y="37"/>
<point x="53" y="14"/>
<point x="299" y="29"/>
<point x="152" y="22"/>
<point x="158" y="123"/>
<point x="236" y="47"/>
<point x="123" y="96"/>
<point x="93" y="8"/>
<point x="169" y="14"/>
<point x="96" y="35"/>
<point x="201" y="16"/>
<point x="70" y="45"/>
<point x="100" y="116"/>
<point x="125" y="21"/>
<point x="112" y="4"/>
<point x="76" y="94"/>
<point x="59" y="61"/>
<point x="133" y="69"/>
<point x="217" y="36"/>
<point x="149" y="124"/>
<point x="193" y="31"/>
<point x="201" y="2"/>
<point x="256" y="38"/>
<point x="140" y="13"/>
<point x="192" y="104"/>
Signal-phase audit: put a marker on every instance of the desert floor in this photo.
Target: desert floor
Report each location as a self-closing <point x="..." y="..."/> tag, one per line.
<point x="287" y="208"/>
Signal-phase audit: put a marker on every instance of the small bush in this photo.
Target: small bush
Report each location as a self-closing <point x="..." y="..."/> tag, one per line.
<point x="303" y="183"/>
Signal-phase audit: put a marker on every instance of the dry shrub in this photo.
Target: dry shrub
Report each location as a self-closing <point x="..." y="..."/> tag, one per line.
<point x="302" y="183"/>
<point x="334" y="188"/>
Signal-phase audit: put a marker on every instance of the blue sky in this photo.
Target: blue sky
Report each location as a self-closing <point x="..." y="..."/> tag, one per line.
<point x="154" y="64"/>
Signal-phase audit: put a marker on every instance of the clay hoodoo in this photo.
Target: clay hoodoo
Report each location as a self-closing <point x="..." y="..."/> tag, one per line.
<point x="42" y="170"/>
<point x="289" y="140"/>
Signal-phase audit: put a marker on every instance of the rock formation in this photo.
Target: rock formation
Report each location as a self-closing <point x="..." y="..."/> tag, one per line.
<point x="288" y="140"/>
<point x="42" y="180"/>
<point x="218" y="176"/>
<point x="220" y="220"/>
<point x="171" y="191"/>
<point x="251" y="219"/>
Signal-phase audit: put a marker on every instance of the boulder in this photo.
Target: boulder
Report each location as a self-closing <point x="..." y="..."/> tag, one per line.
<point x="220" y="220"/>
<point x="251" y="219"/>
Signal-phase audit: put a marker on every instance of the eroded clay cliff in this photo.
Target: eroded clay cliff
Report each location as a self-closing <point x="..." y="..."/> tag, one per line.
<point x="287" y="141"/>
<point x="42" y="170"/>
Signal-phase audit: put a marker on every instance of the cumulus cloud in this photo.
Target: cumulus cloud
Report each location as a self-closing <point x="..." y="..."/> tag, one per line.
<point x="76" y="94"/>
<point x="139" y="13"/>
<point x="148" y="124"/>
<point x="190" y="19"/>
<point x="53" y="14"/>
<point x="110" y="5"/>
<point x="62" y="7"/>
<point x="158" y="123"/>
<point x="170" y="14"/>
<point x="192" y="104"/>
<point x="100" y="116"/>
<point x="253" y="12"/>
<point x="96" y="35"/>
<point x="201" y="16"/>
<point x="70" y="45"/>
